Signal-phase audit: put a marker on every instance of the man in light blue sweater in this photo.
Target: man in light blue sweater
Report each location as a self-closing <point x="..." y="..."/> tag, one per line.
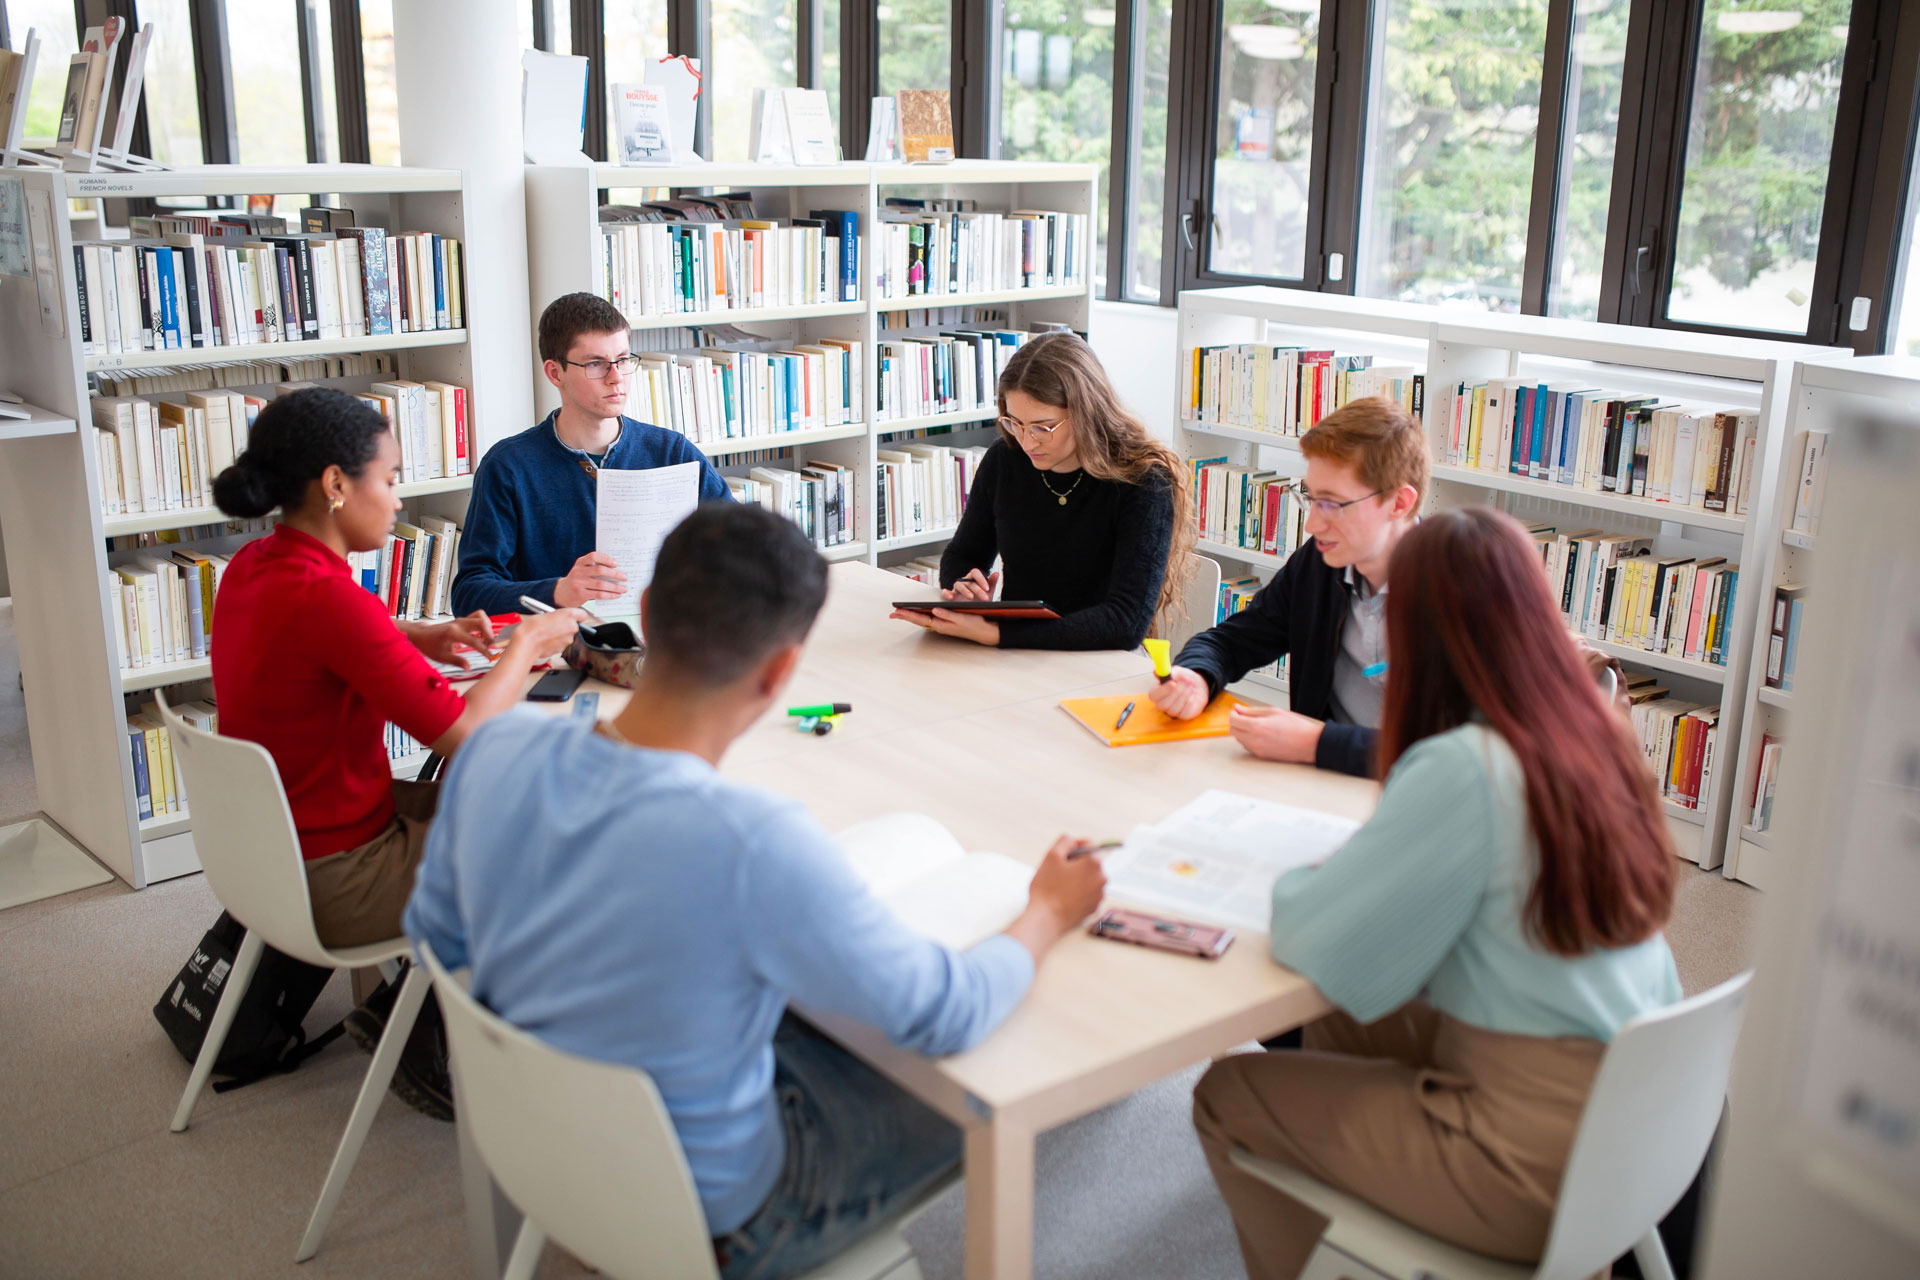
<point x="617" y="897"/>
<point x="530" y="521"/>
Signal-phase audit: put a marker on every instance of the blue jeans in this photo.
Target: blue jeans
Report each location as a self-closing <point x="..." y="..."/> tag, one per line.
<point x="859" y="1150"/>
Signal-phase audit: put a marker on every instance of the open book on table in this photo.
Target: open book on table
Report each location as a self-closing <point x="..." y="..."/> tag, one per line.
<point x="915" y="866"/>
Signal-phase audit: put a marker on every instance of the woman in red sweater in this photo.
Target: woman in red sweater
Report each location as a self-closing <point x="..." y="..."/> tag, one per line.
<point x="310" y="666"/>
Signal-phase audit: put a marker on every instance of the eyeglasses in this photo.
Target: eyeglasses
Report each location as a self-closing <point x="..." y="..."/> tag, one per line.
<point x="1327" y="507"/>
<point x="1038" y="430"/>
<point x="599" y="369"/>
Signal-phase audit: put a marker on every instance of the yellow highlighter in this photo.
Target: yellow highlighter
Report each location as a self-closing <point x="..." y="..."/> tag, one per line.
<point x="1157" y="650"/>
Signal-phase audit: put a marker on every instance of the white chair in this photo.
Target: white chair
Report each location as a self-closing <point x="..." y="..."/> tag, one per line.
<point x="1201" y="600"/>
<point x="587" y="1151"/>
<point x="250" y="852"/>
<point x="1655" y="1103"/>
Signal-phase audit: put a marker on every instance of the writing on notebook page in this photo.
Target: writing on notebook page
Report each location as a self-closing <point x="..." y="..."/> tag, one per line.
<point x="1216" y="857"/>
<point x="634" y="512"/>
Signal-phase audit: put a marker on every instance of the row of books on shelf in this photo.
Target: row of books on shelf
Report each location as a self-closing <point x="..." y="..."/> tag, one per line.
<point x="1766" y="779"/>
<point x="1605" y="442"/>
<point x="401" y="744"/>
<point x="159" y="788"/>
<point x="950" y="246"/>
<point x="1235" y="595"/>
<point x="749" y="388"/>
<point x="1286" y="390"/>
<point x="922" y="488"/>
<point x="1679" y="738"/>
<point x="237" y="375"/>
<point x="1783" y="639"/>
<point x="1612" y="587"/>
<point x="213" y="279"/>
<point x="163" y="455"/>
<point x="1248" y="508"/>
<point x="1811" y="491"/>
<point x="821" y="498"/>
<point x="413" y="574"/>
<point x="664" y="258"/>
<point x="924" y="570"/>
<point x="952" y="372"/>
<point x="163" y="606"/>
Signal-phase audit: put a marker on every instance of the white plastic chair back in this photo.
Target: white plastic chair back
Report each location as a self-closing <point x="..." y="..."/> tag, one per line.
<point x="585" y="1149"/>
<point x="1647" y="1125"/>
<point x="1202" y="597"/>
<point x="244" y="834"/>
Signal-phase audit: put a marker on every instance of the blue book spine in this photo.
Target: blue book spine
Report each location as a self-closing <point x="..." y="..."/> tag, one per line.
<point x="790" y="409"/>
<point x="141" y="788"/>
<point x="1537" y="448"/>
<point x="1569" y="429"/>
<point x="1522" y="414"/>
<point x="169" y="305"/>
<point x="1793" y="644"/>
<point x="196" y="621"/>
<point x="1732" y="580"/>
<point x="439" y="284"/>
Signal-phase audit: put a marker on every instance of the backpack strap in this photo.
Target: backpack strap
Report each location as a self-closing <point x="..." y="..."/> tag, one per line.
<point x="298" y="1050"/>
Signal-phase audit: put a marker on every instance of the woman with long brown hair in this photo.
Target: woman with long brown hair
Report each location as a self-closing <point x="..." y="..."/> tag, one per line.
<point x="1482" y="936"/>
<point x="1085" y="510"/>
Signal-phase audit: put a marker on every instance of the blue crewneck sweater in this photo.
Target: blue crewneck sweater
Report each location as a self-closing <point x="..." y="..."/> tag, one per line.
<point x="532" y="510"/>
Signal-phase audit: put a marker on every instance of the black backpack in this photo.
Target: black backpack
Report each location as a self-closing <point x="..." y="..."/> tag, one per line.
<point x="266" y="1036"/>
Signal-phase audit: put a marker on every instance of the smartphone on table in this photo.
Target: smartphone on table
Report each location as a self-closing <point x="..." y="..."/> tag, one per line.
<point x="556" y="686"/>
<point x="1120" y="924"/>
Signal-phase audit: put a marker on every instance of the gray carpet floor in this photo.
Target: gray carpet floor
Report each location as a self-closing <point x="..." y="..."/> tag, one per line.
<point x="93" y="1185"/>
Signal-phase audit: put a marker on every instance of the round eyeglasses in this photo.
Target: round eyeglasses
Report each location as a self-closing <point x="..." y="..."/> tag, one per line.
<point x="1038" y="430"/>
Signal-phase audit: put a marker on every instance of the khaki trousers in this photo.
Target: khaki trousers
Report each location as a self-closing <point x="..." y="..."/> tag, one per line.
<point x="359" y="894"/>
<point x="1460" y="1132"/>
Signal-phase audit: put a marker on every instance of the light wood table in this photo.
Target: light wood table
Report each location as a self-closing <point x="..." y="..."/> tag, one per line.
<point x="975" y="739"/>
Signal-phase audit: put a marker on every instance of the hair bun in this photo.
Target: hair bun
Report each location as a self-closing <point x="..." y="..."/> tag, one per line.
<point x="242" y="490"/>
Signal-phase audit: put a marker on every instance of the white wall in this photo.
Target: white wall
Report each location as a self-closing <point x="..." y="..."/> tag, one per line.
<point x="1136" y="344"/>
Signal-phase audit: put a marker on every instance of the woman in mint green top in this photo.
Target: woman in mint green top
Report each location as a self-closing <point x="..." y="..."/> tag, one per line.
<point x="1482" y="936"/>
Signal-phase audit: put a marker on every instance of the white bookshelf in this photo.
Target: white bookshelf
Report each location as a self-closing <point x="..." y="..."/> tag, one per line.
<point x="562" y="236"/>
<point x="1452" y="347"/>
<point x="1826" y="397"/>
<point x="53" y="526"/>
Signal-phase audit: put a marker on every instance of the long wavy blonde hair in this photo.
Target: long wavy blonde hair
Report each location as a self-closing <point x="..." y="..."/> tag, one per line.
<point x="1060" y="369"/>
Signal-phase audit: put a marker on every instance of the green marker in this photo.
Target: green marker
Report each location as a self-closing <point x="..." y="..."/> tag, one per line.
<point x="822" y="709"/>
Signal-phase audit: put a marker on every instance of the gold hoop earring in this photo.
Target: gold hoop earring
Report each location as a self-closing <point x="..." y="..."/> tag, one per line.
<point x="334" y="506"/>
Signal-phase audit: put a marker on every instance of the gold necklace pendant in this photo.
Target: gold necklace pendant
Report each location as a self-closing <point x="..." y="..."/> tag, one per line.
<point x="1062" y="497"/>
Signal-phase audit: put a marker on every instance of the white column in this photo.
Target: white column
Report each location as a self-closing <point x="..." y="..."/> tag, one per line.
<point x="457" y="71"/>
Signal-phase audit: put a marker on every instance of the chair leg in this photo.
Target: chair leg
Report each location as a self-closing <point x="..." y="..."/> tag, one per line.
<point x="524" y="1261"/>
<point x="399" y="1024"/>
<point x="1652" y="1256"/>
<point x="231" y="994"/>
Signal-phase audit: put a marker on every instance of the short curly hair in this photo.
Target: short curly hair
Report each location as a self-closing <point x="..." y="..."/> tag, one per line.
<point x="572" y="314"/>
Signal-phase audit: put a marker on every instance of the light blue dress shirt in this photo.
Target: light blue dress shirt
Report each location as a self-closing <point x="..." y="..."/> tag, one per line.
<point x="633" y="906"/>
<point x="1427" y="898"/>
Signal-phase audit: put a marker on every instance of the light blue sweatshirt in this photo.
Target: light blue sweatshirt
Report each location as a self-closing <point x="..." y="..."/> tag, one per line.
<point x="1428" y="897"/>
<point x="633" y="906"/>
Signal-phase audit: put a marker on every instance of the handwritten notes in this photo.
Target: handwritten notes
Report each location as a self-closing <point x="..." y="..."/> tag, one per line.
<point x="635" y="510"/>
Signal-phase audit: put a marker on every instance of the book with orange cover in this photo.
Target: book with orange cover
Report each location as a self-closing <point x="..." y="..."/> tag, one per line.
<point x="1147" y="723"/>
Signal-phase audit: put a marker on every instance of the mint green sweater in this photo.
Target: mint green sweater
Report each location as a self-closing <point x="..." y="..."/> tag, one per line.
<point x="1426" y="899"/>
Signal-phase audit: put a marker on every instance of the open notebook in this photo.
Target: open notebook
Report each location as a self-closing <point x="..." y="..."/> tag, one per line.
<point x="915" y="866"/>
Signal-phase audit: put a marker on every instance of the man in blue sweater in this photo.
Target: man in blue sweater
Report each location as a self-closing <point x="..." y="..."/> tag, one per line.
<point x="530" y="521"/>
<point x="618" y="897"/>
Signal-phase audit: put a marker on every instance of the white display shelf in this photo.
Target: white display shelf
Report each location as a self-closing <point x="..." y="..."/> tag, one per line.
<point x="1300" y="308"/>
<point x="1781" y="698"/>
<point x="1681" y="813"/>
<point x="1246" y="435"/>
<point x="1241" y="555"/>
<point x="42" y="422"/>
<point x="165" y="824"/>
<point x="899" y="173"/>
<point x="996" y="297"/>
<point x="255" y="179"/>
<point x="749" y="315"/>
<point x="197" y="357"/>
<point x="1798" y="539"/>
<point x="188" y="517"/>
<point x="845" y="551"/>
<point x="408" y="766"/>
<point x="1663" y="661"/>
<point x="617" y="177"/>
<point x="154" y="675"/>
<point x="1761" y="839"/>
<point x="909" y="540"/>
<point x="1638" y="508"/>
<point x="960" y="418"/>
<point x="782" y="440"/>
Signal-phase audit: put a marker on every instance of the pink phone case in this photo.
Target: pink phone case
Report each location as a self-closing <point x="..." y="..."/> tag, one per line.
<point x="1119" y="924"/>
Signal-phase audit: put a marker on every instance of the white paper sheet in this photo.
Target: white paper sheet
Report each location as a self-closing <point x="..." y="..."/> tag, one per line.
<point x="635" y="512"/>
<point x="915" y="866"/>
<point x="1215" y="858"/>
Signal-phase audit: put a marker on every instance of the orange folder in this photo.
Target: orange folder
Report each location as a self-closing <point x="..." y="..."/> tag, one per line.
<point x="1147" y="723"/>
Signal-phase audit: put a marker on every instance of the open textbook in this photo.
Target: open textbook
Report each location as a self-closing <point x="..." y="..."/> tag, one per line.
<point x="1214" y="859"/>
<point x="915" y="866"/>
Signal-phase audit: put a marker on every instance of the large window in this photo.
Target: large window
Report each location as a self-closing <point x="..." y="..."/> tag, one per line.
<point x="1596" y="57"/>
<point x="916" y="44"/>
<point x="264" y="42"/>
<point x="1759" y="142"/>
<point x="173" y="109"/>
<point x="1449" y="155"/>
<point x="52" y="21"/>
<point x="1146" y="201"/>
<point x="1904" y="337"/>
<point x="755" y="46"/>
<point x="1056" y="91"/>
<point x="636" y="36"/>
<point x="1263" y="137"/>
<point x="383" y="96"/>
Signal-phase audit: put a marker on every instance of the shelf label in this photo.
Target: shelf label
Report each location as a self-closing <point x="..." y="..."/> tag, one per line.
<point x="90" y="186"/>
<point x="108" y="362"/>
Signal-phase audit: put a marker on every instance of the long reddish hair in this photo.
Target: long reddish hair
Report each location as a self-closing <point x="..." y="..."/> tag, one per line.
<point x="1472" y="628"/>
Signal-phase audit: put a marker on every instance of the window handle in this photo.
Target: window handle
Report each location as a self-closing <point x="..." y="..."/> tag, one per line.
<point x="1186" y="229"/>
